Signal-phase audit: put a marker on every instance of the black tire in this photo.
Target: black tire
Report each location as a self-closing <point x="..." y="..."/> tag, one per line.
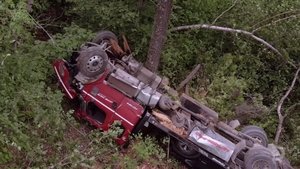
<point x="104" y="36"/>
<point x="183" y="150"/>
<point x="92" y="61"/>
<point x="286" y="164"/>
<point x="257" y="133"/>
<point x="259" y="158"/>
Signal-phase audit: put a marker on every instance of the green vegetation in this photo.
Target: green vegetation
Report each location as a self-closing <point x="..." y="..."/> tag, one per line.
<point x="36" y="132"/>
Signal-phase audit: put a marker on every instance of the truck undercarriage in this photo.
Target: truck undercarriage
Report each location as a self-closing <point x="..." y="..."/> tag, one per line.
<point x="112" y="86"/>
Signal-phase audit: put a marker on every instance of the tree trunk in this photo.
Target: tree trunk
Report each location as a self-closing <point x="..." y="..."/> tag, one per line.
<point x="159" y="33"/>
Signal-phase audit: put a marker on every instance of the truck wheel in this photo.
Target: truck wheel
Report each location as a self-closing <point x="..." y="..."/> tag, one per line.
<point x="92" y="61"/>
<point x="184" y="150"/>
<point x="165" y="103"/>
<point x="257" y="133"/>
<point x="104" y="36"/>
<point x="259" y="158"/>
<point x="285" y="164"/>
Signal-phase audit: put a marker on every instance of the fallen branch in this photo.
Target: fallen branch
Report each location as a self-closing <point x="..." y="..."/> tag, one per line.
<point x="281" y="116"/>
<point x="239" y="31"/>
<point x="189" y="77"/>
<point x="228" y="9"/>
<point x="293" y="12"/>
<point x="276" y="21"/>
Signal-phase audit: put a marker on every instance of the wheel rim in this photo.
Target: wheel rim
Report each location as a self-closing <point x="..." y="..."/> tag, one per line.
<point x="258" y="139"/>
<point x="261" y="164"/>
<point x="95" y="63"/>
<point x="184" y="148"/>
<point x="104" y="43"/>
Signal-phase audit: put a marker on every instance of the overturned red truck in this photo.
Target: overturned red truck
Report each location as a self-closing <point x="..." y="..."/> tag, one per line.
<point x="111" y="85"/>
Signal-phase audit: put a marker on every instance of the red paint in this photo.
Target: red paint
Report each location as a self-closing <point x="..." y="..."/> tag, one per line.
<point x="202" y="136"/>
<point x="64" y="78"/>
<point x="113" y="103"/>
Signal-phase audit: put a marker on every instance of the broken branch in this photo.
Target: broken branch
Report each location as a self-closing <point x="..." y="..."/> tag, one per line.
<point x="189" y="77"/>
<point x="281" y="116"/>
<point x="276" y="21"/>
<point x="292" y="12"/>
<point x="231" y="30"/>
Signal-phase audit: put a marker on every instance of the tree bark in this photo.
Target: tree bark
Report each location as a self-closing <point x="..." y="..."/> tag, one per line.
<point x="159" y="33"/>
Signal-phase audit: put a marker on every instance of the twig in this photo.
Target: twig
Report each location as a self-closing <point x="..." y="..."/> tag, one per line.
<point x="83" y="134"/>
<point x="40" y="26"/>
<point x="276" y="21"/>
<point x="62" y="162"/>
<point x="2" y="62"/>
<point x="51" y="25"/>
<point x="281" y="117"/>
<point x="80" y="132"/>
<point x="292" y="107"/>
<point x="189" y="77"/>
<point x="228" y="9"/>
<point x="231" y="30"/>
<point x="272" y="17"/>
